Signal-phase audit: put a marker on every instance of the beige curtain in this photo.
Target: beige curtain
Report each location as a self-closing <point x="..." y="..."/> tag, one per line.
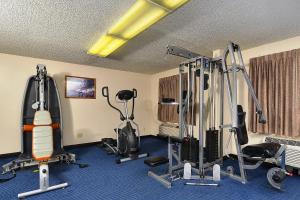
<point x="276" y="81"/>
<point x="169" y="88"/>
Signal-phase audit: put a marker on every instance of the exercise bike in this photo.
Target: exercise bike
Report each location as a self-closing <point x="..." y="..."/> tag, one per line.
<point x="127" y="144"/>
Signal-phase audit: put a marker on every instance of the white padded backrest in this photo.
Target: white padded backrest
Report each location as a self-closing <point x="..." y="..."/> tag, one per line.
<point x="42" y="136"/>
<point x="42" y="142"/>
<point x="42" y="118"/>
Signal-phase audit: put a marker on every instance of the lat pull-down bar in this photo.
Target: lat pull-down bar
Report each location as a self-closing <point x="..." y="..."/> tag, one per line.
<point x="181" y="52"/>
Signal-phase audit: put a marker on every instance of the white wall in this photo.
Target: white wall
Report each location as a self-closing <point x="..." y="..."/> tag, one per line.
<point x="85" y="120"/>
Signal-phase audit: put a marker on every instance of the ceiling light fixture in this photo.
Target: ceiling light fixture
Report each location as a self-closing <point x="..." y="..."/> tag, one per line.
<point x="138" y="18"/>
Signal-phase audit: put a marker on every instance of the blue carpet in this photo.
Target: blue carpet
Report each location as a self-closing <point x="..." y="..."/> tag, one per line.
<point x="104" y="179"/>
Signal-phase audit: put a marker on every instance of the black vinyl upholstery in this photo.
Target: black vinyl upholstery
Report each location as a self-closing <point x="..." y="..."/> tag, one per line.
<point x="168" y="100"/>
<point x="263" y="150"/>
<point x="156" y="161"/>
<point x="125" y="95"/>
<point x="242" y="134"/>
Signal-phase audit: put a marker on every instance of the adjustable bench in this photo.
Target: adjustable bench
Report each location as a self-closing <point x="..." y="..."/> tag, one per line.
<point x="42" y="150"/>
<point x="263" y="150"/>
<point x="259" y="153"/>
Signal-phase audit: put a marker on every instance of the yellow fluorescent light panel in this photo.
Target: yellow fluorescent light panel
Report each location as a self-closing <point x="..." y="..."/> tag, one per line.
<point x="138" y="18"/>
<point x="106" y="45"/>
<point x="171" y="4"/>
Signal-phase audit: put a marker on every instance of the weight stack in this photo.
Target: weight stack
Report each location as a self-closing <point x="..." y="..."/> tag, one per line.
<point x="190" y="149"/>
<point x="212" y="145"/>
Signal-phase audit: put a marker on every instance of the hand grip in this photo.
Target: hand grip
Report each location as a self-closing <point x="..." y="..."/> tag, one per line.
<point x="134" y="93"/>
<point x="105" y="91"/>
<point x="262" y="119"/>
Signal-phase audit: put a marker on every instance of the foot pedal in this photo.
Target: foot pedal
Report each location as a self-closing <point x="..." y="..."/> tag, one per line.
<point x="187" y="172"/>
<point x="216" y="173"/>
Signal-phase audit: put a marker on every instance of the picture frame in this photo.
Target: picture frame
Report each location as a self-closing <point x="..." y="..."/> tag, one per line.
<point x="80" y="87"/>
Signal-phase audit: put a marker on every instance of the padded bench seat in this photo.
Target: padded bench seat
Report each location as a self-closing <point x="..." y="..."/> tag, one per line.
<point x="263" y="150"/>
<point x="156" y="161"/>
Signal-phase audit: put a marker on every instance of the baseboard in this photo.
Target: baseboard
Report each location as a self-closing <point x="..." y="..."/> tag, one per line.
<point x="72" y="146"/>
<point x="148" y="136"/>
<point x="6" y="155"/>
<point x="162" y="137"/>
<point x="69" y="147"/>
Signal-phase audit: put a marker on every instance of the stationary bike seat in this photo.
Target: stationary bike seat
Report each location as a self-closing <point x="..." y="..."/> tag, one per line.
<point x="125" y="94"/>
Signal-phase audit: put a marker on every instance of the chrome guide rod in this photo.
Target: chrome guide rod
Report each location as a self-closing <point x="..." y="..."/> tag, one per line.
<point x="201" y="115"/>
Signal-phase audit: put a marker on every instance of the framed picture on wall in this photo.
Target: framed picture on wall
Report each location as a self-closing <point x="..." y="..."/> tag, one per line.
<point x="80" y="87"/>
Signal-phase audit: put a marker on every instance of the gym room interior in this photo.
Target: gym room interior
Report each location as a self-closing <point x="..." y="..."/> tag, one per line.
<point x="150" y="99"/>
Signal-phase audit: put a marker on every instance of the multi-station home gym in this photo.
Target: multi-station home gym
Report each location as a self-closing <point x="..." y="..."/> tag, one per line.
<point x="149" y="99"/>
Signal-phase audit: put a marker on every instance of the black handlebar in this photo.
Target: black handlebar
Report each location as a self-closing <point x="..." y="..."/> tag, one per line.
<point x="261" y="117"/>
<point x="134" y="93"/>
<point x="132" y="109"/>
<point x="105" y="93"/>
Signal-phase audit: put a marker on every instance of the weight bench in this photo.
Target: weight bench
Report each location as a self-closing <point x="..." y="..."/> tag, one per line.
<point x="258" y="153"/>
<point x="263" y="150"/>
<point x="42" y="150"/>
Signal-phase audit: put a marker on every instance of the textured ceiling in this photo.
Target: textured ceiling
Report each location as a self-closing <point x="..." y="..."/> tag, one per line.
<point x="63" y="30"/>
